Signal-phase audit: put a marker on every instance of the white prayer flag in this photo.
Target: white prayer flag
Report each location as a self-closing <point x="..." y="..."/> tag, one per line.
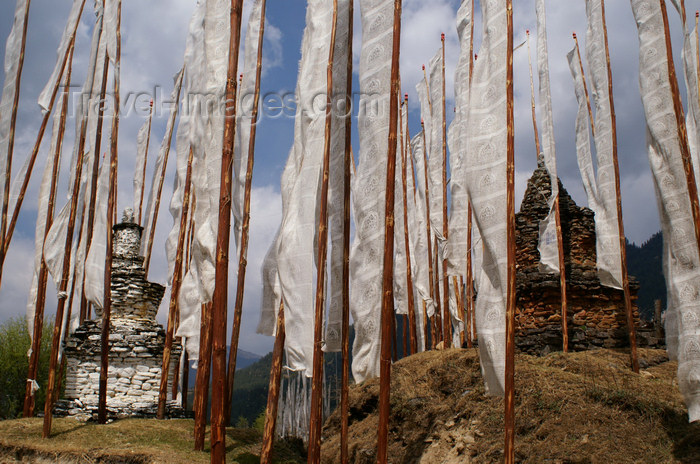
<point x="369" y="185"/>
<point x="422" y="273"/>
<point x="486" y="182"/>
<point x="341" y="110"/>
<point x="606" y="220"/>
<point x="141" y="151"/>
<point x="13" y="47"/>
<point x="457" y="134"/>
<point x="68" y="33"/>
<point x="301" y="180"/>
<point x="97" y="253"/>
<point x="548" y="245"/>
<point x="435" y="156"/>
<point x="682" y="263"/>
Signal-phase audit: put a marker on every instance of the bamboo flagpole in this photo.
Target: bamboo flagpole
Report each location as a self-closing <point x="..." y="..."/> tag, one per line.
<point x="316" y="417"/>
<point x="161" y="179"/>
<point x="220" y="297"/>
<point x="437" y="320"/>
<point x="538" y="148"/>
<point x="201" y="388"/>
<point x="446" y="316"/>
<point x="145" y="160"/>
<point x="621" y="228"/>
<point x="182" y="374"/>
<point x="111" y="205"/>
<point x="470" y="224"/>
<point x="345" y="331"/>
<point x="35" y="350"/>
<point x="387" y="278"/>
<point x="243" y="252"/>
<point x="585" y="86"/>
<point x="11" y="136"/>
<point x="273" y="392"/>
<point x="62" y="297"/>
<point x="65" y="271"/>
<point x="409" y="278"/>
<point x="175" y="290"/>
<point x="470" y="281"/>
<point x="509" y="451"/>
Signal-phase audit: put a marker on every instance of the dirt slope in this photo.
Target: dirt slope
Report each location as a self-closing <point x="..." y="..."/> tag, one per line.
<point x="576" y="408"/>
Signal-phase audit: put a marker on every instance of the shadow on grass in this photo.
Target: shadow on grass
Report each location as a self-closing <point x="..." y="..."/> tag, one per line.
<point x="67" y="431"/>
<point x="685" y="436"/>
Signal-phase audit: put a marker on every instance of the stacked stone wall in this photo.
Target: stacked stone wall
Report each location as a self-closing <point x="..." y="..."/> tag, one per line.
<point x="596" y="314"/>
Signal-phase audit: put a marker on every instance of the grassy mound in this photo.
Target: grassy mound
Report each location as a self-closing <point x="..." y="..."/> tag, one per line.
<point x="130" y="441"/>
<point x="585" y="407"/>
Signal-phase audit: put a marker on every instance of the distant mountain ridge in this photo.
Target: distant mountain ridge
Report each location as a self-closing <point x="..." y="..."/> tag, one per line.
<point x="645" y="264"/>
<point x="243" y="360"/>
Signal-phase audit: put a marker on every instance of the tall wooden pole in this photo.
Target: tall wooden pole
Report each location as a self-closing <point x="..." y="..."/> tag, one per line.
<point x="220" y="297"/>
<point x="159" y="191"/>
<point x="243" y="253"/>
<point x="440" y="334"/>
<point x="201" y="388"/>
<point x="185" y="363"/>
<point x="111" y="205"/>
<point x="538" y="148"/>
<point x="509" y="451"/>
<point x="175" y="290"/>
<point x="409" y="277"/>
<point x="585" y="86"/>
<point x="62" y="296"/>
<point x="427" y="227"/>
<point x="273" y="392"/>
<point x="28" y="410"/>
<point x="11" y="136"/>
<point x="145" y="161"/>
<point x="65" y="271"/>
<point x="345" y="332"/>
<point x="446" y="316"/>
<point x="470" y="277"/>
<point x="7" y="236"/>
<point x="621" y="228"/>
<point x="388" y="275"/>
<point x="316" y="417"/>
<point x="458" y="301"/>
<point x="470" y="280"/>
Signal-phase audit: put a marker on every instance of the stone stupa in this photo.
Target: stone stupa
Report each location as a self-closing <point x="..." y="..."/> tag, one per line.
<point x="136" y="342"/>
<point x="596" y="313"/>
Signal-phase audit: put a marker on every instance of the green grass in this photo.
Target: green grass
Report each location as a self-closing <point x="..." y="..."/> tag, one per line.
<point x="135" y="441"/>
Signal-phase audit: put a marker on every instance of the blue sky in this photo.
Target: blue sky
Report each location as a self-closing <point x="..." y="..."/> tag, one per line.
<point x="154" y="34"/>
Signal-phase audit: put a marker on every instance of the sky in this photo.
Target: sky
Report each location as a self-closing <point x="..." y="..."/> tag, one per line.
<point x="153" y="42"/>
